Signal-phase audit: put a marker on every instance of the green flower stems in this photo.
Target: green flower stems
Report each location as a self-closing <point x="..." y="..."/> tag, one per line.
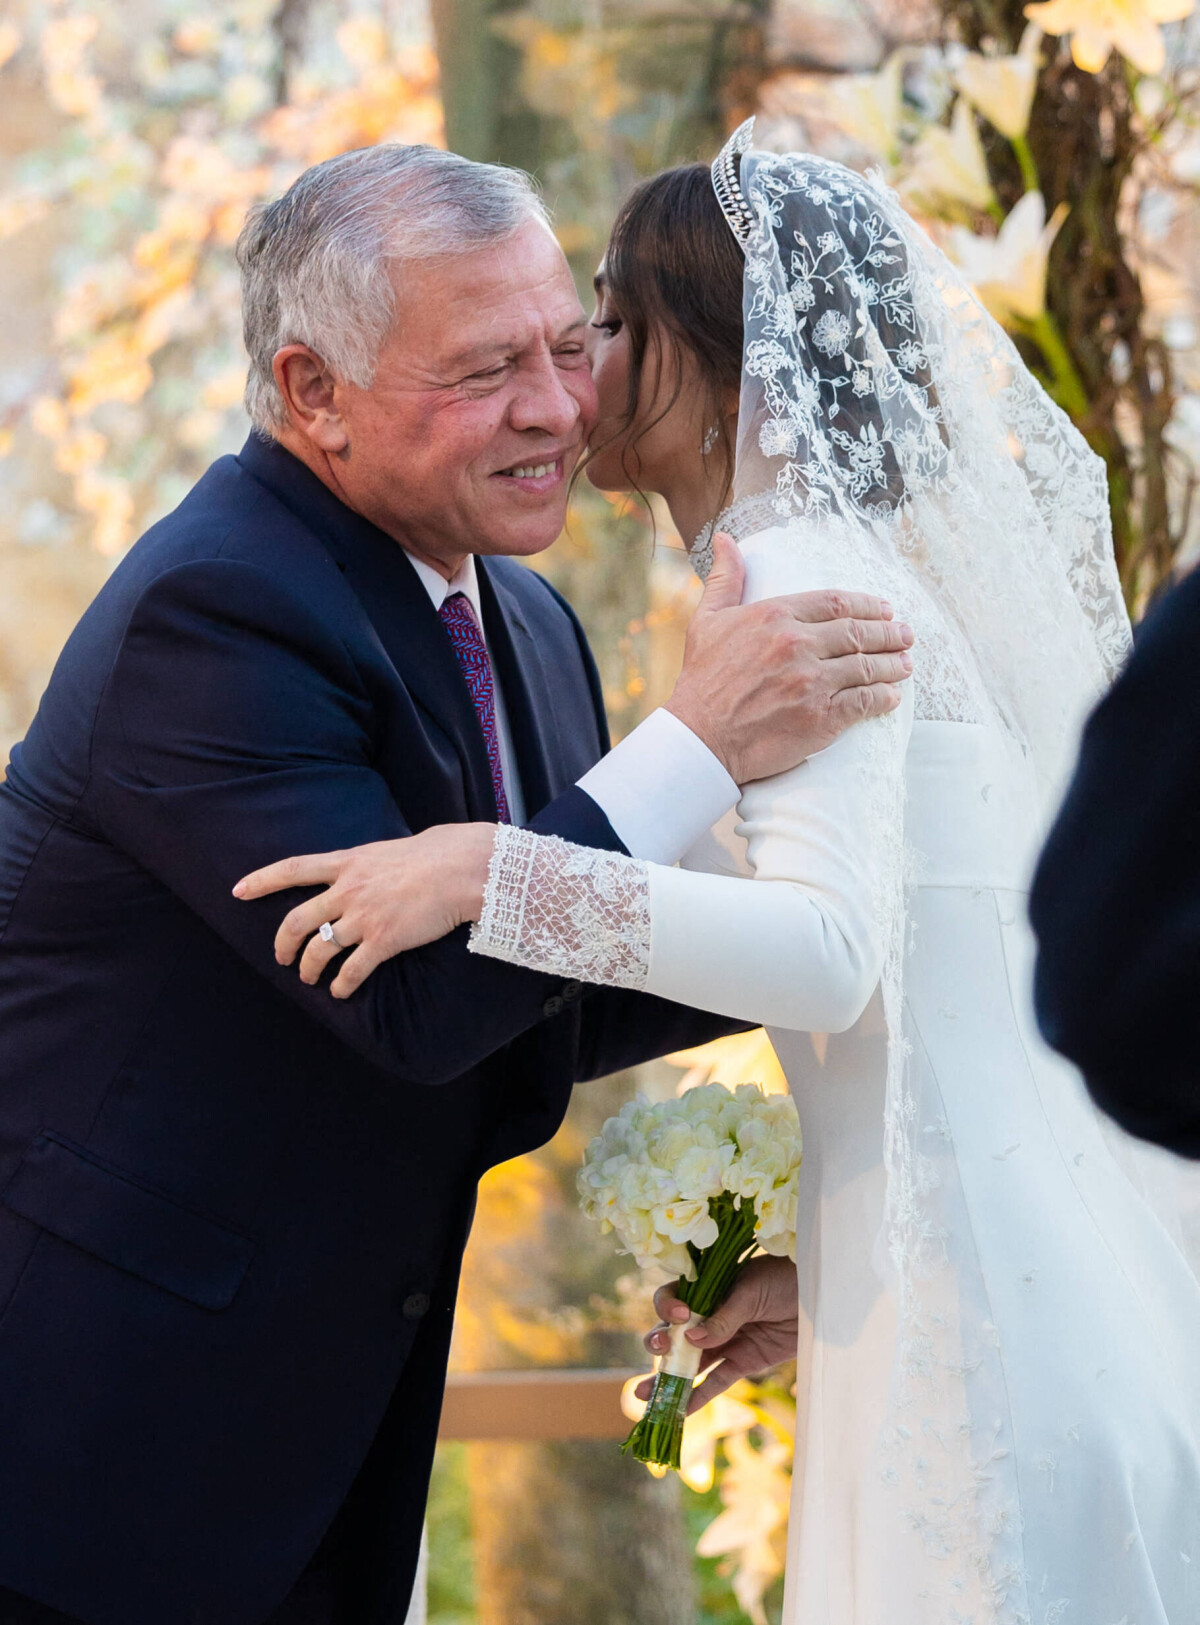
<point x="1029" y="174"/>
<point x="717" y="1266"/>
<point x="657" y="1439"/>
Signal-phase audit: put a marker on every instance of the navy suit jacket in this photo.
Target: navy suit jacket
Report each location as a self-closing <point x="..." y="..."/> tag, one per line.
<point x="1116" y="898"/>
<point x="232" y="1209"/>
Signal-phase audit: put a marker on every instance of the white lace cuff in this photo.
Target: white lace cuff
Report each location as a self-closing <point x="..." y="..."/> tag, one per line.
<point x="569" y="910"/>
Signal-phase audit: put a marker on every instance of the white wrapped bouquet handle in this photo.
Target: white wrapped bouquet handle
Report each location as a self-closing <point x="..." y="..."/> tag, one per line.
<point x="683" y="1358"/>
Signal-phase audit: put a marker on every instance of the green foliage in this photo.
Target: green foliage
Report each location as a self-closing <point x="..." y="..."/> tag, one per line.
<point x="451" y="1597"/>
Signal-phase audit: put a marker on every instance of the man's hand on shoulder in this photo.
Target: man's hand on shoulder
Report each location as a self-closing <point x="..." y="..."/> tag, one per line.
<point x="765" y="685"/>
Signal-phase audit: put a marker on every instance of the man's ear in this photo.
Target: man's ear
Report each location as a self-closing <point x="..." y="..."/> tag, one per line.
<point x="309" y="396"/>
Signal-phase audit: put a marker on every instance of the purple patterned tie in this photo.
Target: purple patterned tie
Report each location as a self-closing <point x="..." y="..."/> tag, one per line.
<point x="457" y="616"/>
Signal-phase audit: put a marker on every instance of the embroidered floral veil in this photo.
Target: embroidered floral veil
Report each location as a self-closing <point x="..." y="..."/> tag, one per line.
<point x="886" y="418"/>
<point x="876" y="390"/>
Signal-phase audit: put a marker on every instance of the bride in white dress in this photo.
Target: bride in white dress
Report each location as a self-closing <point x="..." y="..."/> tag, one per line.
<point x="999" y="1346"/>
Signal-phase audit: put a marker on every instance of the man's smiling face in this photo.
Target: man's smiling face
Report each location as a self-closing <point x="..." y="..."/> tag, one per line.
<point x="481" y="404"/>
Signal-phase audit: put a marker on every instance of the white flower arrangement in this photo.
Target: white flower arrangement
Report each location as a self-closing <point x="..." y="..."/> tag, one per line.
<point x="694" y="1186"/>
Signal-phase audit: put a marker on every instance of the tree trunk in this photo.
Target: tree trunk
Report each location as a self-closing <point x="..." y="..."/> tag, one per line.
<point x="575" y="1532"/>
<point x="288" y="23"/>
<point x="486" y="118"/>
<point x="1084" y="140"/>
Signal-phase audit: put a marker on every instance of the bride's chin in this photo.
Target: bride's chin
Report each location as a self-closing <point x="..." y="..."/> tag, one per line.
<point x="611" y="480"/>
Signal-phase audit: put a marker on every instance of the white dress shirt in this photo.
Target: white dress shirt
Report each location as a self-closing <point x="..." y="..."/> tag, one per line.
<point x="661" y="788"/>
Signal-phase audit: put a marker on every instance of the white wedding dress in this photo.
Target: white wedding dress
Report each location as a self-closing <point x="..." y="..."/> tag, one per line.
<point x="1023" y="1444"/>
<point x="998" y="1387"/>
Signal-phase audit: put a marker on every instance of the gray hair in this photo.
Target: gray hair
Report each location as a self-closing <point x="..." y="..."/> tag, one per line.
<point x="315" y="263"/>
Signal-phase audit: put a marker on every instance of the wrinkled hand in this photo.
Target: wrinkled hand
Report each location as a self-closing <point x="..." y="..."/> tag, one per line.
<point x="381" y="899"/>
<point x="757" y="1327"/>
<point x="765" y="685"/>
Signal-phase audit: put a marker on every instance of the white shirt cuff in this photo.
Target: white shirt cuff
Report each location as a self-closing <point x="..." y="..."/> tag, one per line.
<point x="660" y="789"/>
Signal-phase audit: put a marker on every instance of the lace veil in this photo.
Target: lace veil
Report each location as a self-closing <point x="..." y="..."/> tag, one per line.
<point x="887" y="418"/>
<point x="879" y="398"/>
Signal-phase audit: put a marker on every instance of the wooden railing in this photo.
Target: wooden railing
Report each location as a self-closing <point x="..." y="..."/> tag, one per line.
<point x="538" y="1404"/>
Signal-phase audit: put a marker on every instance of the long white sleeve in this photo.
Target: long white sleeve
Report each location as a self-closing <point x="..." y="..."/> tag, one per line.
<point x="805" y="949"/>
<point x="802" y="948"/>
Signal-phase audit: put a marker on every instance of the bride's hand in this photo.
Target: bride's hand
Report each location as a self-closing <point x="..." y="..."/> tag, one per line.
<point x="757" y="1327"/>
<point x="380" y="900"/>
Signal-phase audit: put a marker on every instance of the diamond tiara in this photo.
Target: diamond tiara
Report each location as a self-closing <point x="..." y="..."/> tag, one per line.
<point x="725" y="182"/>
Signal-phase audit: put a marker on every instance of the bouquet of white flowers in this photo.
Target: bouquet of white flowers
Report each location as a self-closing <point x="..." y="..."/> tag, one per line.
<point x="694" y="1186"/>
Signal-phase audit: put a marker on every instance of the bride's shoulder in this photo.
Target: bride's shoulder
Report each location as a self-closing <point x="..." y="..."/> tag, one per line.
<point x="802" y="555"/>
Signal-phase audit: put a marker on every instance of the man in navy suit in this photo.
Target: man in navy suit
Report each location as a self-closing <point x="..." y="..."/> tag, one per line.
<point x="1116" y="898"/>
<point x="232" y="1209"/>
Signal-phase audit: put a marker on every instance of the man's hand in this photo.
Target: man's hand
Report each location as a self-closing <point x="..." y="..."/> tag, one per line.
<point x="757" y="1327"/>
<point x="765" y="685"/>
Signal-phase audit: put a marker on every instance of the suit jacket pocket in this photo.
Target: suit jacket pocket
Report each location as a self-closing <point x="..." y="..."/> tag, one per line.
<point x="77" y="1196"/>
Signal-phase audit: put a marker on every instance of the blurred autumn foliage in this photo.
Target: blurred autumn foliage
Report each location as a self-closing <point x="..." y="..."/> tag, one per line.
<point x="170" y="125"/>
<point x="136" y="134"/>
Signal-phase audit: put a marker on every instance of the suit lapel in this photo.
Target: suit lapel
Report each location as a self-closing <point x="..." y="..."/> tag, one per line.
<point x="417" y="645"/>
<point x="528" y="697"/>
<point x="379" y="573"/>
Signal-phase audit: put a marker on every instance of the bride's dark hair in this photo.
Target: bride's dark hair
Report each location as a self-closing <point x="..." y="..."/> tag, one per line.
<point x="674" y="266"/>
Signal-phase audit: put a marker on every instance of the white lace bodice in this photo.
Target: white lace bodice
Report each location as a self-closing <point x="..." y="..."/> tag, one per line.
<point x="945" y="681"/>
